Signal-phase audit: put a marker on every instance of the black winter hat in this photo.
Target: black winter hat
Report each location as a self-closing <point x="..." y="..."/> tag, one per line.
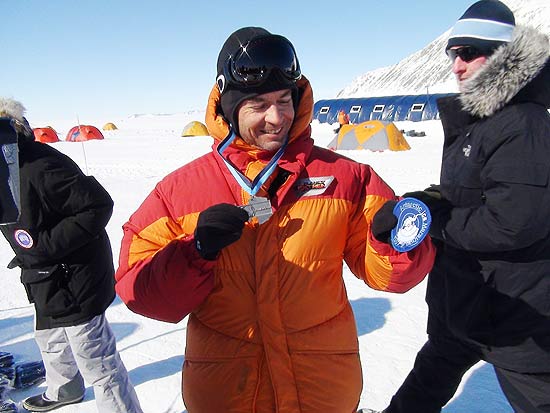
<point x="233" y="95"/>
<point x="486" y="25"/>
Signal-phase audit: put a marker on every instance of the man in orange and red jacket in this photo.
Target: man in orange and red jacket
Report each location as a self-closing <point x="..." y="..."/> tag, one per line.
<point x="270" y="325"/>
<point x="343" y="118"/>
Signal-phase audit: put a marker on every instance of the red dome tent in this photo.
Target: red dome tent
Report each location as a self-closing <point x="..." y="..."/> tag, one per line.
<point x="45" y="135"/>
<point x="83" y="133"/>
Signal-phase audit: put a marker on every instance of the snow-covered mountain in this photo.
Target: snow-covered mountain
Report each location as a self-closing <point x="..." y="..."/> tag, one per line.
<point x="428" y="70"/>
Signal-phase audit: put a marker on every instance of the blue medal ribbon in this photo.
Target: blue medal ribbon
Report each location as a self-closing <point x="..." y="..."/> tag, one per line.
<point x="252" y="187"/>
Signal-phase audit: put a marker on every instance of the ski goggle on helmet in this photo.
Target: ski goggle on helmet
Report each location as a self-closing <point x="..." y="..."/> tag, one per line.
<point x="256" y="60"/>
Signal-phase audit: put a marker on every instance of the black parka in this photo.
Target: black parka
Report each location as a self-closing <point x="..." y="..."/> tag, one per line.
<point x="490" y="284"/>
<point x="60" y="241"/>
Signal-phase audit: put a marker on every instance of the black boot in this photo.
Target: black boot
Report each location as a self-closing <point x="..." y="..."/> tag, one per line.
<point x="40" y="403"/>
<point x="370" y="411"/>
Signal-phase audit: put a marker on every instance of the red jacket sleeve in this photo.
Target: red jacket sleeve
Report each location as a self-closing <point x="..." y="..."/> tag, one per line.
<point x="377" y="263"/>
<point x="161" y="274"/>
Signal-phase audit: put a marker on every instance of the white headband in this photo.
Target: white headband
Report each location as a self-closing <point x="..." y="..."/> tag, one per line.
<point x="483" y="30"/>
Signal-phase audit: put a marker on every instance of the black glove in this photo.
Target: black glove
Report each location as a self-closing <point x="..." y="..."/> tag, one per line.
<point x="432" y="198"/>
<point x="440" y="208"/>
<point x="383" y="222"/>
<point x="217" y="227"/>
<point x="428" y="195"/>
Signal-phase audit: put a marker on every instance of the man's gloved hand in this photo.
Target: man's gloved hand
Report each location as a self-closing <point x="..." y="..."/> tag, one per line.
<point x="217" y="227"/>
<point x="383" y="222"/>
<point x="429" y="195"/>
<point x="439" y="207"/>
<point x="432" y="198"/>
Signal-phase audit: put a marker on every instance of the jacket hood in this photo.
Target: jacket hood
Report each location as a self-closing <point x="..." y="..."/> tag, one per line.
<point x="519" y="71"/>
<point x="11" y="108"/>
<point x="219" y="128"/>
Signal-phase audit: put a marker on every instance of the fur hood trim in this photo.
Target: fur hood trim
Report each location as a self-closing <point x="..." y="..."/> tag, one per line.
<point x="506" y="72"/>
<point x="11" y="108"/>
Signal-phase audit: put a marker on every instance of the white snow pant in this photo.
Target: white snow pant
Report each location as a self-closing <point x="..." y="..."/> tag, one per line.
<point x="87" y="350"/>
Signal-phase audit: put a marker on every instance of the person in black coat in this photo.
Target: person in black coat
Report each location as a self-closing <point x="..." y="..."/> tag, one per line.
<point x="66" y="262"/>
<point x="488" y="293"/>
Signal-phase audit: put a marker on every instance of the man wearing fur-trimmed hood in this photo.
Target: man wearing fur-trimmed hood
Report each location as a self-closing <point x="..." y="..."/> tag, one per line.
<point x="64" y="253"/>
<point x="488" y="292"/>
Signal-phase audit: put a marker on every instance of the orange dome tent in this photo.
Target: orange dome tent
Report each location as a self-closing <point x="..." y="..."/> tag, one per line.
<point x="375" y="135"/>
<point x="83" y="133"/>
<point x="109" y="126"/>
<point x="45" y="135"/>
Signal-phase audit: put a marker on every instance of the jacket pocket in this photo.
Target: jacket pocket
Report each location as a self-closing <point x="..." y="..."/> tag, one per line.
<point x="48" y="289"/>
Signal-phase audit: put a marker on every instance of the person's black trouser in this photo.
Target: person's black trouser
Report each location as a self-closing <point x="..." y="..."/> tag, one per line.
<point x="438" y="370"/>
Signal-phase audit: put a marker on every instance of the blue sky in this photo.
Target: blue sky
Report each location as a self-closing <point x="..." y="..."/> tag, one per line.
<point x="65" y="59"/>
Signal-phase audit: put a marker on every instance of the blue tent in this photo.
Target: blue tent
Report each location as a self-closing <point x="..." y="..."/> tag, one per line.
<point x="387" y="108"/>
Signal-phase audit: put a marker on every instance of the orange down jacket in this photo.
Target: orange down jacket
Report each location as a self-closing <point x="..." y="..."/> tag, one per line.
<point x="343" y="118"/>
<point x="270" y="327"/>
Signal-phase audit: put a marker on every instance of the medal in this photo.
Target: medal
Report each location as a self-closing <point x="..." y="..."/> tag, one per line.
<point x="258" y="206"/>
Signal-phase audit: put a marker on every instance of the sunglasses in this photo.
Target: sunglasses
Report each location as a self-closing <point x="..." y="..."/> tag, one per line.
<point x="257" y="59"/>
<point x="466" y="53"/>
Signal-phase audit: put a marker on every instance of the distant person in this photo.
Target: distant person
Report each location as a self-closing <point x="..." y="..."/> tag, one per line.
<point x="63" y="250"/>
<point x="489" y="291"/>
<point x="343" y="119"/>
<point x="250" y="240"/>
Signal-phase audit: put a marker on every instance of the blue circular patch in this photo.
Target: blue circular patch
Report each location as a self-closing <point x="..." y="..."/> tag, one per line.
<point x="23" y="238"/>
<point x="413" y="223"/>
